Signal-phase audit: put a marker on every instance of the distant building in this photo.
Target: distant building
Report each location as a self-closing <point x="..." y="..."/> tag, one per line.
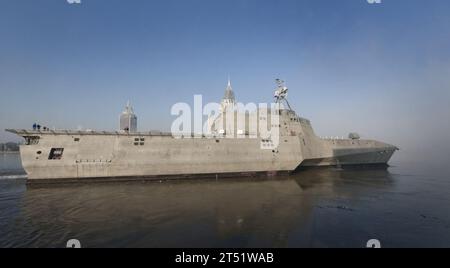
<point x="228" y="100"/>
<point x="235" y="121"/>
<point x="226" y="122"/>
<point x="128" y="120"/>
<point x="2" y="147"/>
<point x="228" y="109"/>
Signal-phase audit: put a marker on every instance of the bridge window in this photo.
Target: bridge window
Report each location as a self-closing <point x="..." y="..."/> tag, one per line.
<point x="56" y="153"/>
<point x="31" y="140"/>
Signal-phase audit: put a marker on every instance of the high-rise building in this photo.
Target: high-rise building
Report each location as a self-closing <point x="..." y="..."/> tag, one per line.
<point x="228" y="100"/>
<point x="225" y="122"/>
<point x="128" y="120"/>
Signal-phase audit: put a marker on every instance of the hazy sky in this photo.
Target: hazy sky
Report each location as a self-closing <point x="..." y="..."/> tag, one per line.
<point x="382" y="70"/>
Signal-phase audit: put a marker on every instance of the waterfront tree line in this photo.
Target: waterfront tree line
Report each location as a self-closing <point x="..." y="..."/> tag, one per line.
<point x="9" y="147"/>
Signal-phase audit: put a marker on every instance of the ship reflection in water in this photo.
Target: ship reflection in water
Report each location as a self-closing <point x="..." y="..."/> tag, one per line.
<point x="315" y="208"/>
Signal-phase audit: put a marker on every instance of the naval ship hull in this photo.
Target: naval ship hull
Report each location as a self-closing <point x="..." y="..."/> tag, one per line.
<point x="53" y="156"/>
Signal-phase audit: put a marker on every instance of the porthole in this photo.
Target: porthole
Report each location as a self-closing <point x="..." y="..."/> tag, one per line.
<point x="39" y="152"/>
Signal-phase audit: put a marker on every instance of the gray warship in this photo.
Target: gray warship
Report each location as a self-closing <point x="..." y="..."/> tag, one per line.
<point x="54" y="155"/>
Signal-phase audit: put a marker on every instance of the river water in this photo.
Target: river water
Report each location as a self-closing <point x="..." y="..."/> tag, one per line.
<point x="405" y="205"/>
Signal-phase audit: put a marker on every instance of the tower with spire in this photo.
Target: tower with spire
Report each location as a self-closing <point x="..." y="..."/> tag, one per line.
<point x="228" y="99"/>
<point x="226" y="121"/>
<point x="128" y="120"/>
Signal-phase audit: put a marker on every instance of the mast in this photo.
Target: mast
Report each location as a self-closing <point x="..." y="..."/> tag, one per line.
<point x="281" y="93"/>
